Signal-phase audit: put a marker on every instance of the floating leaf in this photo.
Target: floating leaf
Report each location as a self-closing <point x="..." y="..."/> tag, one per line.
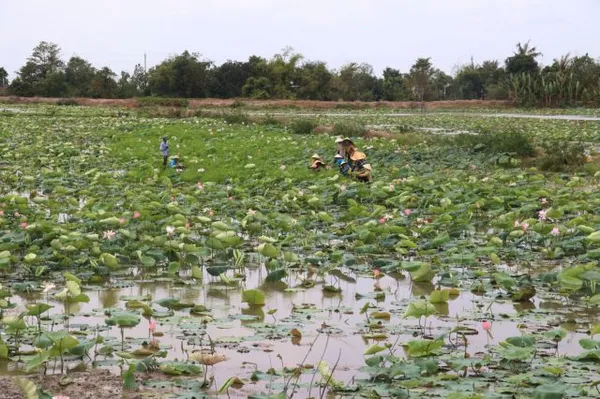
<point x="253" y="297"/>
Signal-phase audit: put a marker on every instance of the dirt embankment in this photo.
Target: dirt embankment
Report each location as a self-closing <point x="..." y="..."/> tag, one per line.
<point x="262" y="104"/>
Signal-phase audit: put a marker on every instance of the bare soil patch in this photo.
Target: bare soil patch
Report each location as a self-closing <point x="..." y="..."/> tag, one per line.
<point x="95" y="384"/>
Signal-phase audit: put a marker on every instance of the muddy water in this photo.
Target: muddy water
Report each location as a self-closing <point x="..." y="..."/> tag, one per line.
<point x="333" y="323"/>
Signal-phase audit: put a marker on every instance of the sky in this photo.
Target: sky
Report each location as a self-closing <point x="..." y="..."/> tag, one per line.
<point x="117" y="33"/>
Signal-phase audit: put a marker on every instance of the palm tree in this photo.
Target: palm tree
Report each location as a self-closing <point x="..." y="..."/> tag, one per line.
<point x="527" y="50"/>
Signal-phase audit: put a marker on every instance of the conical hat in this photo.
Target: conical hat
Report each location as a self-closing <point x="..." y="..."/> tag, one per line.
<point x="368" y="167"/>
<point x="339" y="140"/>
<point x="316" y="156"/>
<point x="338" y="156"/>
<point x="357" y="156"/>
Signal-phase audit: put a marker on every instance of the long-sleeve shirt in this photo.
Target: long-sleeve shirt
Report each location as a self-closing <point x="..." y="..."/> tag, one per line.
<point x="164" y="149"/>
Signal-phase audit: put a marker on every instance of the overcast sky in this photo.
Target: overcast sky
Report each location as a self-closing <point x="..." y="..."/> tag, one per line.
<point x="381" y="32"/>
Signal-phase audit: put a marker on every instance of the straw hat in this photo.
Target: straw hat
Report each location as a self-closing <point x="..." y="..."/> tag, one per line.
<point x="368" y="167"/>
<point x="358" y="156"/>
<point x="338" y="156"/>
<point x="339" y="140"/>
<point x="316" y="156"/>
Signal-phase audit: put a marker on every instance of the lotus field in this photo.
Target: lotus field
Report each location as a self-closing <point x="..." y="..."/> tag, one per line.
<point x="459" y="272"/>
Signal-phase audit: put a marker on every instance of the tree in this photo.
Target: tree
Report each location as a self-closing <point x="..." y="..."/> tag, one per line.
<point x="523" y="60"/>
<point x="283" y="70"/>
<point x="356" y="82"/>
<point x="104" y="84"/>
<point x="139" y="80"/>
<point x="3" y="78"/>
<point x="314" y="82"/>
<point x="257" y="88"/>
<point x="79" y="74"/>
<point x="126" y="87"/>
<point x="229" y="78"/>
<point x="419" y="76"/>
<point x="439" y="83"/>
<point x="42" y="74"/>
<point x="394" y="85"/>
<point x="182" y="76"/>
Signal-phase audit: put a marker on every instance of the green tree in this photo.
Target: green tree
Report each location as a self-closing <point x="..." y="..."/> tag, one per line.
<point x="182" y="76"/>
<point x="419" y="76"/>
<point x="3" y="77"/>
<point x="394" y="85"/>
<point x="523" y="60"/>
<point x="283" y="69"/>
<point x="355" y="82"/>
<point x="314" y="82"/>
<point x="139" y="80"/>
<point x="257" y="88"/>
<point x="79" y="74"/>
<point x="104" y="84"/>
<point x="126" y="87"/>
<point x="229" y="78"/>
<point x="42" y="74"/>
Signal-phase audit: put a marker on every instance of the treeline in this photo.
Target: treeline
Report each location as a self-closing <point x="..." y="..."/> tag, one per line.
<point x="521" y="78"/>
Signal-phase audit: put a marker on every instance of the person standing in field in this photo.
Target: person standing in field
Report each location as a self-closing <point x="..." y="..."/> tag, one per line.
<point x="164" y="149"/>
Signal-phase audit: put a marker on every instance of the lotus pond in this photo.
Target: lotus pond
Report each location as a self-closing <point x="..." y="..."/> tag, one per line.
<point x="451" y="275"/>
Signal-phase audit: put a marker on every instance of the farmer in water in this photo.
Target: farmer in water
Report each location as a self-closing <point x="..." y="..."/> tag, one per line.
<point x="164" y="149"/>
<point x="317" y="163"/>
<point x="340" y="147"/>
<point x="357" y="161"/>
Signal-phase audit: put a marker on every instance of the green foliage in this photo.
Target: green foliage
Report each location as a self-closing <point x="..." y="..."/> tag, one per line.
<point x="559" y="155"/>
<point x="506" y="141"/>
<point x="303" y="126"/>
<point x="236" y="118"/>
<point x="349" y="130"/>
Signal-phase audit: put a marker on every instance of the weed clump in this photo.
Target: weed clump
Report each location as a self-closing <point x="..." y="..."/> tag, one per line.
<point x="511" y="142"/>
<point x="349" y="130"/>
<point x="236" y="118"/>
<point x="67" y="102"/>
<point x="303" y="126"/>
<point x="559" y="155"/>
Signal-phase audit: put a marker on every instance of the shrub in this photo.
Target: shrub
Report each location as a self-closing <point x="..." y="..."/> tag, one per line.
<point x="303" y="126"/>
<point x="270" y="120"/>
<point x="237" y="104"/>
<point x="511" y="142"/>
<point x="349" y="130"/>
<point x="561" y="155"/>
<point x="236" y="118"/>
<point x="162" y="102"/>
<point x="347" y="106"/>
<point x="67" y="102"/>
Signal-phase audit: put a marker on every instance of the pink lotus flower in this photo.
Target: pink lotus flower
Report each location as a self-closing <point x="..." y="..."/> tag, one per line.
<point x="543" y="201"/>
<point x="1" y="213"/>
<point x="343" y="187"/>
<point x="407" y="212"/>
<point x="122" y="220"/>
<point x="23" y="225"/>
<point x="542" y="215"/>
<point x="251" y="212"/>
<point x="136" y="215"/>
<point x="152" y="325"/>
<point x="200" y="186"/>
<point x="392" y="187"/>
<point x="282" y="167"/>
<point x="170" y="230"/>
<point x="486" y="325"/>
<point x="211" y="213"/>
<point x="525" y="226"/>
<point x="555" y="231"/>
<point x="473" y="166"/>
<point x="17" y="214"/>
<point x="109" y="234"/>
<point x="230" y="198"/>
<point x="517" y="223"/>
<point x="187" y="225"/>
<point x="382" y="220"/>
